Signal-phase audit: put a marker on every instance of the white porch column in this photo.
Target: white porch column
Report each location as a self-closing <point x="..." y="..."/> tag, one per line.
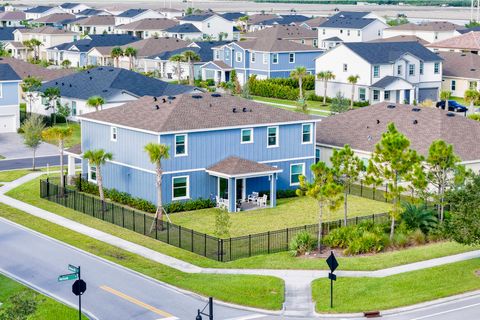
<point x="71" y="169"/>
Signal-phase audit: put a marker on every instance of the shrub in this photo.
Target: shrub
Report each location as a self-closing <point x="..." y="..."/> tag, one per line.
<point x="20" y="307"/>
<point x="267" y="88"/>
<point x="339" y="104"/>
<point x="341" y="237"/>
<point x="418" y="217"/>
<point x="222" y="224"/>
<point x="367" y="242"/>
<point x="281" y="194"/>
<point x="417" y="237"/>
<point x="302" y="243"/>
<point x="474" y="116"/>
<point x="400" y="240"/>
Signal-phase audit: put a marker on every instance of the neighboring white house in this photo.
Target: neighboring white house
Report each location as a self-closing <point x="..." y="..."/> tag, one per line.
<point x="429" y="31"/>
<point x="41" y="11"/>
<point x="186" y="31"/>
<point x="388" y="71"/>
<point x="210" y="25"/>
<point x="11" y="18"/>
<point x="146" y="28"/>
<point x="350" y="27"/>
<point x="94" y="25"/>
<point x="73" y="8"/>
<point x="132" y="15"/>
<point x="171" y="13"/>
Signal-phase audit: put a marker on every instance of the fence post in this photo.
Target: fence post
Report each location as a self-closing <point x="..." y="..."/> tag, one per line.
<point x="361" y="188"/>
<point x="93" y="206"/>
<point x="168" y="232"/>
<point x="287" y="240"/>
<point x="373" y="218"/>
<point x="386" y="192"/>
<point x="218" y="249"/>
<point x="179" y="236"/>
<point x="133" y="213"/>
<point x="268" y="241"/>
<point x="156" y="228"/>
<point x="103" y="209"/>
<point x="48" y="188"/>
<point x="192" y="238"/>
<point x="249" y="245"/>
<point x="205" y="245"/>
<point x="356" y="220"/>
<point x="230" y="255"/>
<point x="123" y="217"/>
<point x="74" y="200"/>
<point x="221" y="249"/>
<point x="144" y="224"/>
<point x="80" y="182"/>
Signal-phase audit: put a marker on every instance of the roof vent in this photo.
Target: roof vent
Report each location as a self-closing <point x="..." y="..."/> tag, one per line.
<point x="244" y="109"/>
<point x="164" y="100"/>
<point x="155" y="99"/>
<point x="56" y="82"/>
<point x="100" y="68"/>
<point x="157" y="107"/>
<point x="110" y="70"/>
<point x="88" y="71"/>
<point x="104" y="90"/>
<point x="415" y="121"/>
<point x="378" y="121"/>
<point x="70" y="85"/>
<point x="171" y="98"/>
<point x="369" y="138"/>
<point x="473" y="69"/>
<point x="416" y="109"/>
<point x="391" y="106"/>
<point x="216" y="95"/>
<point x="450" y="114"/>
<point x="234" y="110"/>
<point x="91" y="78"/>
<point x="197" y="96"/>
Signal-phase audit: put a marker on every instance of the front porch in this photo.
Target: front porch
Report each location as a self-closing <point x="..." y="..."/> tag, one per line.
<point x="216" y="70"/>
<point x="392" y="89"/>
<point x="239" y="182"/>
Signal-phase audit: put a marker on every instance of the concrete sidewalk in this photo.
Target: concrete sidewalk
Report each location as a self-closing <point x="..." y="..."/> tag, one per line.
<point x="298" y="298"/>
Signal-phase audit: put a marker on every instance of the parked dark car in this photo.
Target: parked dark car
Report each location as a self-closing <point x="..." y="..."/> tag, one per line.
<point x="452" y="106"/>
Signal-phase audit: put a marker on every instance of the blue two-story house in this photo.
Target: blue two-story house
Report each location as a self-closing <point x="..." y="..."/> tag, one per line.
<point x="9" y="99"/>
<point x="221" y="147"/>
<point x="264" y="57"/>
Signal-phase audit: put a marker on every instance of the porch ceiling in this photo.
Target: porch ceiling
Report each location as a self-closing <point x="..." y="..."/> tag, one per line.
<point x="234" y="167"/>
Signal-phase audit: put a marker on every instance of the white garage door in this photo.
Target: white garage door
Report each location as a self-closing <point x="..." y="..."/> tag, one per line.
<point x="7" y="124"/>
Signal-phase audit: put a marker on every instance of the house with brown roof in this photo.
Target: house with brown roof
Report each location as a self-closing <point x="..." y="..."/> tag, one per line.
<point x="222" y="147"/>
<point x="362" y="129"/>
<point x="293" y="33"/>
<point x="431" y="31"/>
<point x="11" y="18"/>
<point x="25" y="69"/>
<point x="461" y="71"/>
<point x="54" y="20"/>
<point x="467" y="42"/>
<point x="147" y="28"/>
<point x="98" y="24"/>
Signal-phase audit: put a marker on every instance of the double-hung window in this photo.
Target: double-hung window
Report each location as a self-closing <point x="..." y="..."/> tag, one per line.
<point x="113" y="133"/>
<point x="92" y="173"/>
<point x="421" y="67"/>
<point x="306" y="133"/>
<point x="265" y="58"/>
<point x="1" y="93"/>
<point x="399" y="70"/>
<point x="345" y="67"/>
<point x="238" y="56"/>
<point x="411" y="69"/>
<point x="291" y="57"/>
<point x="253" y="57"/>
<point x="296" y="170"/>
<point x="376" y="71"/>
<point x="247" y="136"/>
<point x="275" y="58"/>
<point x="317" y="155"/>
<point x="362" y="94"/>
<point x="272" y="137"/>
<point x="453" y="85"/>
<point x="386" y="95"/>
<point x="436" y="68"/>
<point x="180" y="188"/>
<point x="181" y="147"/>
<point x="74" y="108"/>
<point x="376" y="95"/>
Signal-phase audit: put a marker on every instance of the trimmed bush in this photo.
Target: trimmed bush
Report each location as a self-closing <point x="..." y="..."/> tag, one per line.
<point x="302" y="243"/>
<point x="269" y="89"/>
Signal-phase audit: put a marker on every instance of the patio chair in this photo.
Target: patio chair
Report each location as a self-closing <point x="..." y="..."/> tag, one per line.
<point x="262" y="201"/>
<point x="220" y="202"/>
<point x="252" y="197"/>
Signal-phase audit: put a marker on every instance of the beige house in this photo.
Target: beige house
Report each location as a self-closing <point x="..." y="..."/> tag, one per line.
<point x="48" y="36"/>
<point x="296" y="34"/>
<point x="94" y="25"/>
<point x="432" y="31"/>
<point x="467" y="42"/>
<point x="461" y="71"/>
<point x="147" y="28"/>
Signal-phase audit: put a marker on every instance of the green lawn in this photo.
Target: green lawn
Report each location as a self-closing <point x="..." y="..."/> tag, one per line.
<point x="368" y="294"/>
<point x="255" y="291"/>
<point x="29" y="193"/>
<point x="8" y="176"/>
<point x="291" y="212"/>
<point x="47" y="308"/>
<point x="315" y="107"/>
<point x="75" y="138"/>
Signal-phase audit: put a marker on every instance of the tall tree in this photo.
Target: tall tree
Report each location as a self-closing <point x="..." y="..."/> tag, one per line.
<point x="222" y="36"/>
<point x="32" y="134"/>
<point x="391" y="162"/>
<point x="445" y="96"/>
<point x="244" y="20"/>
<point x="59" y="135"/>
<point x="52" y="94"/>
<point x="353" y="79"/>
<point x="178" y="58"/>
<point x="158" y="152"/>
<point x="191" y="57"/>
<point x="30" y="85"/>
<point x="324" y="190"/>
<point x="299" y="73"/>
<point x="28" y="44"/>
<point x="97" y="158"/>
<point x="471" y="96"/>
<point x="325" y="76"/>
<point x="35" y="43"/>
<point x="116" y="53"/>
<point x="131" y="53"/>
<point x="95" y="102"/>
<point x="346" y="167"/>
<point x="443" y="171"/>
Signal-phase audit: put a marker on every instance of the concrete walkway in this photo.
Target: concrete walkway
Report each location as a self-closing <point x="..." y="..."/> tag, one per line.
<point x="298" y="297"/>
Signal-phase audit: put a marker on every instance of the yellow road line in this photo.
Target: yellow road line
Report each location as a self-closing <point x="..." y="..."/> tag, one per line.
<point x="137" y="302"/>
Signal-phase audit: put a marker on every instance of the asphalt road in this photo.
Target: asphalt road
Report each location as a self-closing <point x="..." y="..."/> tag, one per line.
<point x="113" y="292"/>
<point x="26" y="163"/>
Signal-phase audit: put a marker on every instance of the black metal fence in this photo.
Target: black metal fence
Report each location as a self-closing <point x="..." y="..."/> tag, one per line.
<point x="377" y="193"/>
<point x="200" y="243"/>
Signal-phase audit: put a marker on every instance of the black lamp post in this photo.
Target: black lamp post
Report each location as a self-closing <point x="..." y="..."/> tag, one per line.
<point x="210" y="310"/>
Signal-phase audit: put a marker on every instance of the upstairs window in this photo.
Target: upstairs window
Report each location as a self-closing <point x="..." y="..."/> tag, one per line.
<point x="265" y="58"/>
<point x="113" y="132"/>
<point x="411" y="69"/>
<point x="345" y="67"/>
<point x="421" y="67"/>
<point x="216" y="55"/>
<point x="291" y="57"/>
<point x="399" y="70"/>
<point x="275" y="58"/>
<point x="253" y="57"/>
<point x="436" y="68"/>
<point x="238" y="56"/>
<point x="306" y="133"/>
<point x="272" y="137"/>
<point x="317" y="155"/>
<point x="247" y="136"/>
<point x="180" y="145"/>
<point x="376" y="71"/>
<point x="453" y="85"/>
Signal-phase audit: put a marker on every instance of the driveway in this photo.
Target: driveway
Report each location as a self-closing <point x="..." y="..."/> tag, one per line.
<point x="11" y="146"/>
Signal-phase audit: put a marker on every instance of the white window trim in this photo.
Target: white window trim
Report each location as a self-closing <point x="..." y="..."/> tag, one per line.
<point x="90" y="173"/>
<point x="265" y="58"/>
<point x="273" y="60"/>
<point x="238" y="56"/>
<point x="251" y="136"/>
<point x="187" y="187"/>
<point x="303" y="172"/>
<point x="114" y="139"/>
<point x="378" y="75"/>
<point x="277" y="137"/>
<point x="175" y="145"/>
<point x="1" y="90"/>
<point x="253" y="57"/>
<point x="291" y="53"/>
<point x="311" y="133"/>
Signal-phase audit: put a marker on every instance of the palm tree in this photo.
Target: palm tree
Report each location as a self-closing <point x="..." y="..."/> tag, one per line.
<point x="353" y="79"/>
<point x="52" y="94"/>
<point x="178" y="58"/>
<point x="445" y="96"/>
<point x="325" y="76"/>
<point x="131" y="53"/>
<point x="95" y="102"/>
<point x="116" y="53"/>
<point x="59" y="135"/>
<point x="299" y="73"/>
<point x="471" y="96"/>
<point x="191" y="57"/>
<point x="157" y="152"/>
<point x="28" y="44"/>
<point x="35" y="43"/>
<point x="98" y="158"/>
<point x="244" y="21"/>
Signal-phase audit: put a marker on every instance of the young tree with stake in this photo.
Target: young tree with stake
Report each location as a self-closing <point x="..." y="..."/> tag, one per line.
<point x="32" y="134"/>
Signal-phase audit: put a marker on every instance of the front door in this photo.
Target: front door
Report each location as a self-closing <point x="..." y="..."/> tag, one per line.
<point x="407" y="96"/>
<point x="397" y="96"/>
<point x="223" y="188"/>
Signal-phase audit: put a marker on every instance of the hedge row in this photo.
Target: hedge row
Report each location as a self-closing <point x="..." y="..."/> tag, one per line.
<point x="270" y="89"/>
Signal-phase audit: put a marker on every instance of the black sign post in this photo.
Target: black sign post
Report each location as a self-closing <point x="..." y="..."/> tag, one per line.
<point x="78" y="287"/>
<point x="332" y="264"/>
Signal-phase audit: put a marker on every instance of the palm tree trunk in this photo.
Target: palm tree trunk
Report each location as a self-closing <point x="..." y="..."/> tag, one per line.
<point x="60" y="145"/>
<point x="325" y="91"/>
<point x="345" y="209"/>
<point x="300" y="87"/>
<point x="191" y="72"/>
<point x="320" y="222"/>
<point x="159" y="213"/>
<point x="353" y="96"/>
<point x="100" y="186"/>
<point x="179" y="71"/>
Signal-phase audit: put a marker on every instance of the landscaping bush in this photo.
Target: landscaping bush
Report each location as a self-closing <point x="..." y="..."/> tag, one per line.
<point x="308" y="83"/>
<point x="418" y="217"/>
<point x="302" y="243"/>
<point x="474" y="116"/>
<point x="281" y="194"/>
<point x="265" y="88"/>
<point x="400" y="240"/>
<point x="189" y="205"/>
<point x="367" y="242"/>
<point x="417" y="237"/>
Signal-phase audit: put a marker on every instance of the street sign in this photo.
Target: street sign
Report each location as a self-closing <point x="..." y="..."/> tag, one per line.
<point x="332" y="262"/>
<point x="332" y="276"/>
<point x="79" y="287"/>
<point x="72" y="268"/>
<point x="66" y="277"/>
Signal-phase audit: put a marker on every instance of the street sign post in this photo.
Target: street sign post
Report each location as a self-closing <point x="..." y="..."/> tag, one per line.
<point x="79" y="286"/>
<point x="333" y="265"/>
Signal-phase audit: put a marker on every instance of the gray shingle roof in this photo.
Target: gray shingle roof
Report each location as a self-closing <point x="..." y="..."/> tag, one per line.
<point x="283" y="32"/>
<point x="234" y="166"/>
<point x="55" y="17"/>
<point x="386" y="52"/>
<point x="6" y="33"/>
<point x="7" y="73"/>
<point x="202" y="48"/>
<point x="69" y="5"/>
<point x="98" y="40"/>
<point x="233" y="16"/>
<point x="12" y="16"/>
<point x="366" y="125"/>
<point x="194" y="112"/>
<point x="346" y="19"/>
<point x="429" y="26"/>
<point x="91" y="12"/>
<point x="275" y="45"/>
<point x="197" y="17"/>
<point x="131" y="13"/>
<point x="386" y="81"/>
<point x="97" y="21"/>
<point x="25" y="69"/>
<point x="183" y="28"/>
<point x="149" y="24"/>
<point x="38" y="9"/>
<point x="109" y="81"/>
<point x="462" y="65"/>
